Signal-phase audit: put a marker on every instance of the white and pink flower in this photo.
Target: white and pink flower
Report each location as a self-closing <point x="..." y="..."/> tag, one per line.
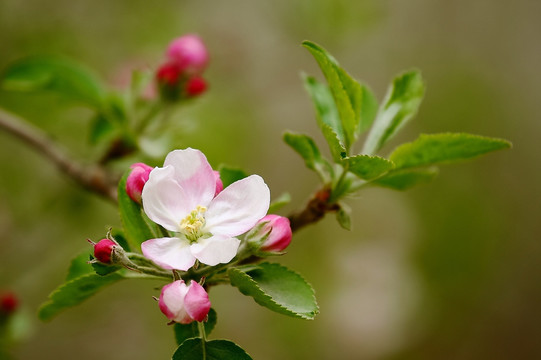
<point x="180" y="196"/>
<point x="183" y="303"/>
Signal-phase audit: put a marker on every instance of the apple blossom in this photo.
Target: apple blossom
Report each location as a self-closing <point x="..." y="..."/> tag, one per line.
<point x="180" y="196"/>
<point x="136" y="180"/>
<point x="195" y="86"/>
<point x="8" y="303"/>
<point x="184" y="303"/>
<point x="189" y="53"/>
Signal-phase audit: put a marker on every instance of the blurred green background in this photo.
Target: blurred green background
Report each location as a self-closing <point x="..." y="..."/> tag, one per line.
<point x="450" y="270"/>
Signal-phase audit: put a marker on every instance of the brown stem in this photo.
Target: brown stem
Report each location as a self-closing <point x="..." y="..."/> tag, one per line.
<point x="314" y="211"/>
<point x="92" y="178"/>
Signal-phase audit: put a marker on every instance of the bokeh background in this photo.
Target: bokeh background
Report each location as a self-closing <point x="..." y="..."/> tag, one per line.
<point x="449" y="270"/>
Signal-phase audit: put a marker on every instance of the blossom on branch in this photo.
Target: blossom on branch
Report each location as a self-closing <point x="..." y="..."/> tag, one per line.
<point x="183" y="303"/>
<point x="180" y="196"/>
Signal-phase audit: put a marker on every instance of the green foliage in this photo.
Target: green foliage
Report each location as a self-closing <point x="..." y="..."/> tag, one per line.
<point x="198" y="349"/>
<point x="133" y="222"/>
<point x="191" y="330"/>
<point x="61" y="76"/>
<point x="279" y="202"/>
<point x="307" y="149"/>
<point x="444" y="148"/>
<point x="401" y="103"/>
<point x="343" y="216"/>
<point x="406" y="178"/>
<point x="355" y="103"/>
<point x="368" y="167"/>
<point x="276" y="288"/>
<point x="230" y="174"/>
<point x="79" y="265"/>
<point x="74" y="292"/>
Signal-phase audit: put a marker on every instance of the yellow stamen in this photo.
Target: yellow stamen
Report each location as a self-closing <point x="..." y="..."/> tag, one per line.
<point x="192" y="224"/>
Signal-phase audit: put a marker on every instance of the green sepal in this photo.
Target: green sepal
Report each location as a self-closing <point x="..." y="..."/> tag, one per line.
<point x="135" y="227"/>
<point x="229" y="174"/>
<point x="192" y="349"/>
<point x="401" y="103"/>
<point x="191" y="330"/>
<point x="279" y="202"/>
<point x="277" y="288"/>
<point x="308" y="150"/>
<point x="74" y="292"/>
<point x="65" y="77"/>
<point x="406" y="178"/>
<point x="368" y="167"/>
<point x="444" y="148"/>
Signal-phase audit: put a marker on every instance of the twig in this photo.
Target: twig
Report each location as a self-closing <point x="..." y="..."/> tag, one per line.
<point x="92" y="178"/>
<point x="314" y="211"/>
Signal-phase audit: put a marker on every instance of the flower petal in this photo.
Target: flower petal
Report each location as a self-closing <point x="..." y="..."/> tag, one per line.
<point x="196" y="302"/>
<point x="238" y="207"/>
<point x="164" y="201"/>
<point x="215" y="250"/>
<point x="194" y="174"/>
<point x="169" y="253"/>
<point x="172" y="302"/>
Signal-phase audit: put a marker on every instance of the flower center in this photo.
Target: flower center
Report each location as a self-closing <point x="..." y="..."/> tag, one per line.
<point x="192" y="224"/>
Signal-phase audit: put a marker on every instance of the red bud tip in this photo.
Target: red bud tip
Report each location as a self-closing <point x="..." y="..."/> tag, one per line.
<point x="103" y="250"/>
<point x="8" y="303"/>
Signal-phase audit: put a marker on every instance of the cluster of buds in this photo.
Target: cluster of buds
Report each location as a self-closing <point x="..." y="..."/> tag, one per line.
<point x="181" y="74"/>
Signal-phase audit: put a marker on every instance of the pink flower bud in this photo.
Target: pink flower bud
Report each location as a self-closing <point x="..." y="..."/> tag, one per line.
<point x="103" y="250"/>
<point x="273" y="234"/>
<point x="195" y="86"/>
<point x="8" y="303"/>
<point x="219" y="183"/>
<point x="184" y="304"/>
<point x="136" y="180"/>
<point x="189" y="53"/>
<point x="168" y="74"/>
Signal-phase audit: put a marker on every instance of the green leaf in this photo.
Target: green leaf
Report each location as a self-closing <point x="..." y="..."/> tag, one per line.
<point x="307" y="149"/>
<point x="104" y="269"/>
<point x="405" y="179"/>
<point x="338" y="150"/>
<point x="230" y="174"/>
<point x="326" y="112"/>
<point x="368" y="167"/>
<point x="343" y="216"/>
<point x="191" y="330"/>
<point x="401" y="103"/>
<point x="101" y="129"/>
<point x="444" y="148"/>
<point x="347" y="92"/>
<point x="192" y="349"/>
<point x="136" y="229"/>
<point x="277" y="288"/>
<point x="62" y="76"/>
<point x="368" y="110"/>
<point x="279" y="202"/>
<point x="75" y="292"/>
<point x="79" y="265"/>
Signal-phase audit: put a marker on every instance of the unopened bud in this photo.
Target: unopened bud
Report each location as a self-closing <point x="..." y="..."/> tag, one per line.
<point x="103" y="250"/>
<point x="8" y="303"/>
<point x="189" y="53"/>
<point x="183" y="303"/>
<point x="271" y="235"/>
<point x="136" y="180"/>
<point x="195" y="86"/>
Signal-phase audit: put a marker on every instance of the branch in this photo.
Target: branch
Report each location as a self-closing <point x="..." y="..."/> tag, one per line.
<point x="314" y="211"/>
<point x="92" y="178"/>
